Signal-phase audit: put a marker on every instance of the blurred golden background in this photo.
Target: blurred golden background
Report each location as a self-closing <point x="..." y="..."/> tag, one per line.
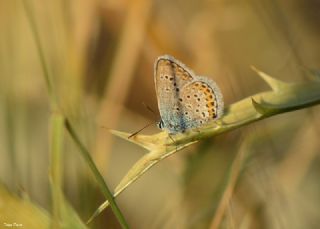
<point x="99" y="56"/>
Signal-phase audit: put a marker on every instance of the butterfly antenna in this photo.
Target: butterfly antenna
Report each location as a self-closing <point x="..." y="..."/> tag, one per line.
<point x="135" y="133"/>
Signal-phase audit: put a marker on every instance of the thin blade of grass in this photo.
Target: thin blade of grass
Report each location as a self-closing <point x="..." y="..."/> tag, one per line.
<point x="235" y="171"/>
<point x="44" y="66"/>
<point x="56" y="145"/>
<point x="102" y="184"/>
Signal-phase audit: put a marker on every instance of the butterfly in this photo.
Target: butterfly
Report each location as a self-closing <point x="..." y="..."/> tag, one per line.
<point x="185" y="100"/>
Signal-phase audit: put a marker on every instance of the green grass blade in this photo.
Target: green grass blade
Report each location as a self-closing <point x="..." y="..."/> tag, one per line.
<point x="102" y="184"/>
<point x="44" y="66"/>
<point x="56" y="145"/>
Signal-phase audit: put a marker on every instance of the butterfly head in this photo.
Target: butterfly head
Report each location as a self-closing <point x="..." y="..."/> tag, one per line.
<point x="160" y="124"/>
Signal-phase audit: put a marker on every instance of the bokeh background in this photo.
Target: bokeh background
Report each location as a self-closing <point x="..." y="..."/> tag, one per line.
<point x="99" y="56"/>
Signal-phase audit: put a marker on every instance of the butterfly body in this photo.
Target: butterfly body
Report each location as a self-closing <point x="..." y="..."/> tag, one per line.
<point x="185" y="100"/>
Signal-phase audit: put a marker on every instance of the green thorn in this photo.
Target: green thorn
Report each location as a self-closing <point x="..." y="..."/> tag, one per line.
<point x="272" y="82"/>
<point x="258" y="107"/>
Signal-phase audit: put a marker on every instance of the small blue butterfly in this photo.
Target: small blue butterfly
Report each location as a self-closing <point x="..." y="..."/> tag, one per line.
<point x="185" y="100"/>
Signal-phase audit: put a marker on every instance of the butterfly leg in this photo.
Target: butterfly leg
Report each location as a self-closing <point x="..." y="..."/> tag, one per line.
<point x="173" y="141"/>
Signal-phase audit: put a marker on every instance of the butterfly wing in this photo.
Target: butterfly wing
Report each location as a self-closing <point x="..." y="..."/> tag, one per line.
<point x="170" y="77"/>
<point x="201" y="102"/>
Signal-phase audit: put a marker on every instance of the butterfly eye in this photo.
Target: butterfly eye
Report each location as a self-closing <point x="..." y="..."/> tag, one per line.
<point x="160" y="124"/>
